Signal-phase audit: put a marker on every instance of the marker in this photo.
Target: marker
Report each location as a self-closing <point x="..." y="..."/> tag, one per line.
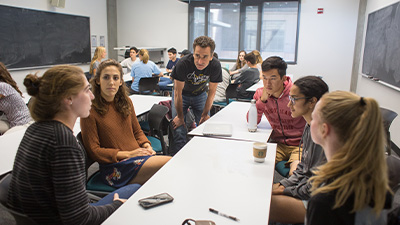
<point x="222" y="214"/>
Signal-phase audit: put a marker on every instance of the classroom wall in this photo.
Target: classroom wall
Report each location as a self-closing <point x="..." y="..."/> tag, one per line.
<point x="153" y="23"/>
<point x="95" y="9"/>
<point x="326" y="41"/>
<point x="387" y="97"/>
<point x="325" y="47"/>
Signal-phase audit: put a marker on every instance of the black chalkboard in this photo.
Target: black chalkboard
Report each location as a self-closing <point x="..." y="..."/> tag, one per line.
<point x="31" y="38"/>
<point x="382" y="45"/>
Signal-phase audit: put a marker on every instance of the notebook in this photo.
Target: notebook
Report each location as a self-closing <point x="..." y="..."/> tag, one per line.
<point x="217" y="129"/>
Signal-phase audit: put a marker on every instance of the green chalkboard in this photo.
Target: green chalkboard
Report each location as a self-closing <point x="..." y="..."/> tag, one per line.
<point x="33" y="38"/>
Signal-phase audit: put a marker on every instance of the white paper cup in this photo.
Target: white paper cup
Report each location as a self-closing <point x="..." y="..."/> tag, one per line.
<point x="259" y="151"/>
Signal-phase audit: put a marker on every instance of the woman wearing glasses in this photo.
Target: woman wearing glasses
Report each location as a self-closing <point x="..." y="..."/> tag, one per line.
<point x="290" y="195"/>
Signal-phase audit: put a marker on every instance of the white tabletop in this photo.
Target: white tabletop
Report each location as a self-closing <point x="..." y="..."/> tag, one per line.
<point x="206" y="173"/>
<point x="143" y="103"/>
<point x="235" y="114"/>
<point x="127" y="76"/>
<point x="26" y="97"/>
<point x="9" y="146"/>
<point x="255" y="86"/>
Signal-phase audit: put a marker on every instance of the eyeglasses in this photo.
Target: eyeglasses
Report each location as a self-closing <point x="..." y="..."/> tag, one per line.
<point x="293" y="100"/>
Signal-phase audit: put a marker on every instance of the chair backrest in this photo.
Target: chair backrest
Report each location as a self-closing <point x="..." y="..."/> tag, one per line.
<point x="88" y="160"/>
<point x="231" y="92"/>
<point x="388" y="116"/>
<point x="20" y="218"/>
<point x="148" y="84"/>
<point x="157" y="118"/>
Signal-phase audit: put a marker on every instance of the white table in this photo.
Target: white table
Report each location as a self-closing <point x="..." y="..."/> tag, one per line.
<point x="9" y="146"/>
<point x="127" y="76"/>
<point x="26" y="97"/>
<point x="206" y="173"/>
<point x="235" y="114"/>
<point x="143" y="103"/>
<point x="255" y="86"/>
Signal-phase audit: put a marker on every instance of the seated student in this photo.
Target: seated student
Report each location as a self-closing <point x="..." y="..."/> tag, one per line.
<point x="352" y="187"/>
<point x="15" y="112"/>
<point x="248" y="77"/>
<point x="165" y="79"/>
<point x="220" y="94"/>
<point x="49" y="179"/>
<point x="184" y="52"/>
<point x="144" y="68"/>
<point x="112" y="134"/>
<point x="99" y="54"/>
<point x="172" y="60"/>
<point x="239" y="66"/>
<point x="272" y="101"/>
<point x="290" y="195"/>
<point x="128" y="62"/>
<point x="259" y="61"/>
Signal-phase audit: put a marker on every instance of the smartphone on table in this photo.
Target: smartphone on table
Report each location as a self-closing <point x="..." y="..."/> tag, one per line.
<point x="155" y="200"/>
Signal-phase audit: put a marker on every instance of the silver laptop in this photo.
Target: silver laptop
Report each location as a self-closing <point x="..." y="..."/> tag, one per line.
<point x="217" y="129"/>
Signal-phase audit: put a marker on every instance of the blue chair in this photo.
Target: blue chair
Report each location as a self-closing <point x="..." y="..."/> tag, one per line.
<point x="281" y="169"/>
<point x="94" y="185"/>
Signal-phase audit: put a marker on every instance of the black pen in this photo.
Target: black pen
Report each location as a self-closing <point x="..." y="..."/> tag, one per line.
<point x="223" y="214"/>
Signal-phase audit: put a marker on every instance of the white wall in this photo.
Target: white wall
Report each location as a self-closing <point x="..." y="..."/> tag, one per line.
<point x="153" y="23"/>
<point x="387" y="97"/>
<point x="326" y="41"/>
<point x="325" y="47"/>
<point x="95" y="9"/>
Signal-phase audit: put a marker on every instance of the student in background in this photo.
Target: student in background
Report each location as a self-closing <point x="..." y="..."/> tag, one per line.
<point x="239" y="66"/>
<point x="184" y="52"/>
<point x="191" y="75"/>
<point x="352" y="187"/>
<point x="272" y="101"/>
<point x="220" y="94"/>
<point x="99" y="54"/>
<point x="290" y="196"/>
<point x="128" y="62"/>
<point x="14" y="110"/>
<point x="112" y="135"/>
<point x="248" y="77"/>
<point x="144" y="68"/>
<point x="259" y="61"/>
<point x="172" y="59"/>
<point x="49" y="178"/>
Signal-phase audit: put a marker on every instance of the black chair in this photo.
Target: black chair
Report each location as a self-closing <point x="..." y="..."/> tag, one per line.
<point x="388" y="116"/>
<point x="158" y="123"/>
<point x="20" y="218"/>
<point x="231" y="93"/>
<point x="149" y="85"/>
<point x="95" y="188"/>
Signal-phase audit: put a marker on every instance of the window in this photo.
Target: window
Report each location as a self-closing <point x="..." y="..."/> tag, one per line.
<point x="268" y="26"/>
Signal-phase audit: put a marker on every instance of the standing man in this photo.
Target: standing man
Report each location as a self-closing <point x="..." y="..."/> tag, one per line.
<point x="191" y="75"/>
<point x="132" y="59"/>
<point x="172" y="59"/>
<point x="272" y="101"/>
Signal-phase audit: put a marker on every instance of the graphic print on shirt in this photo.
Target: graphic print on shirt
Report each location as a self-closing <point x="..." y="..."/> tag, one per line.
<point x="194" y="79"/>
<point x="116" y="175"/>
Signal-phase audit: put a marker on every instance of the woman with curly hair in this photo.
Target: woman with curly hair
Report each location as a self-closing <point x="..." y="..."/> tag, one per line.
<point x="112" y="134"/>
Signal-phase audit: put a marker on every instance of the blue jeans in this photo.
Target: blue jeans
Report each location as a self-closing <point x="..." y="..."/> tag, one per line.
<point x="197" y="104"/>
<point x="164" y="81"/>
<point x="124" y="193"/>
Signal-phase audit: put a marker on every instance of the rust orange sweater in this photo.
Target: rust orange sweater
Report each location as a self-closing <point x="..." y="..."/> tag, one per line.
<point x="104" y="136"/>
